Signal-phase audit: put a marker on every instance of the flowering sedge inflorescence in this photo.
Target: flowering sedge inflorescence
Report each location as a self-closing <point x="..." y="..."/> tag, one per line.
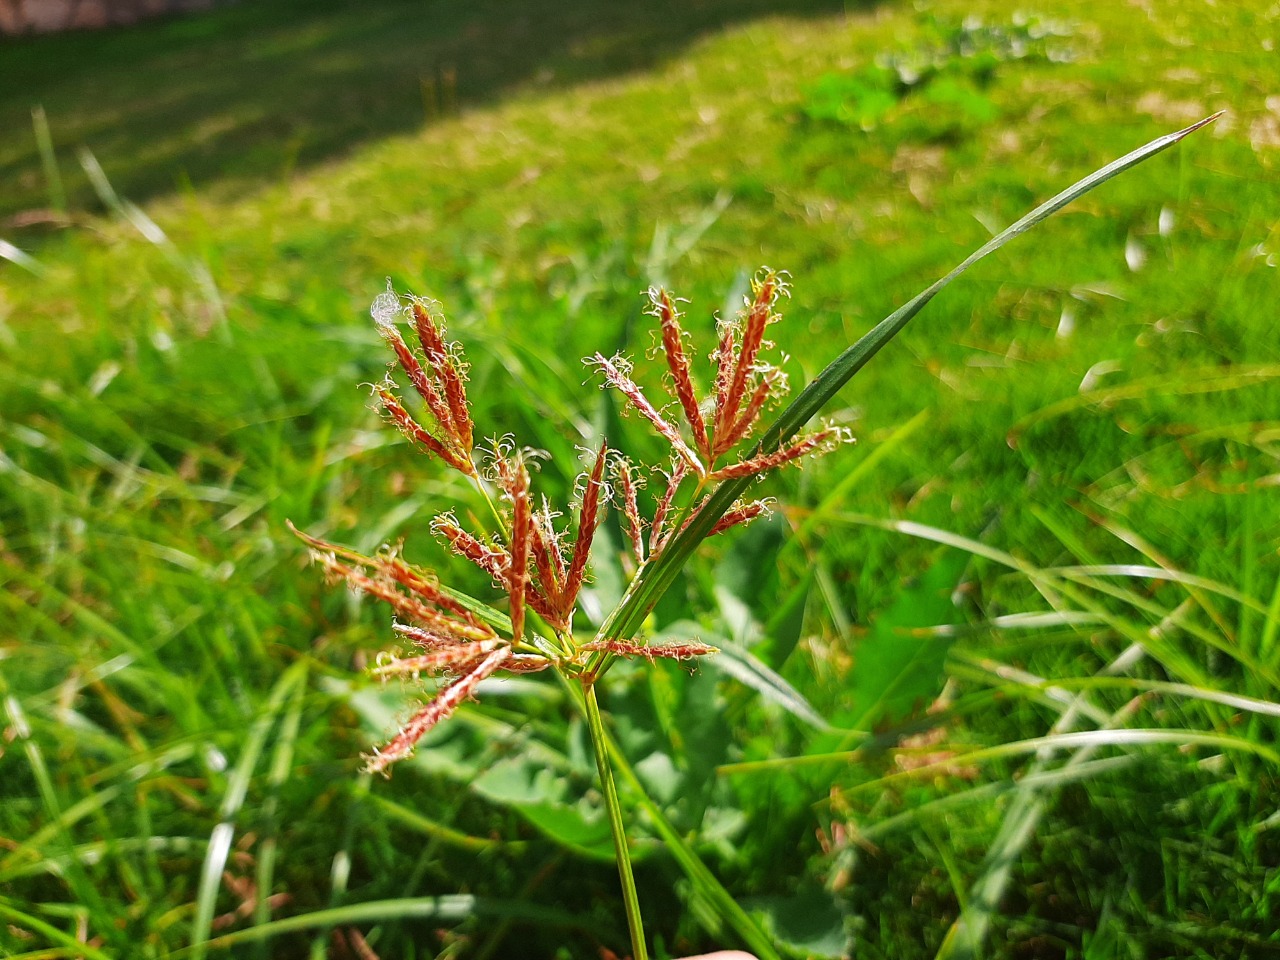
<point x="527" y="556"/>
<point x="744" y="386"/>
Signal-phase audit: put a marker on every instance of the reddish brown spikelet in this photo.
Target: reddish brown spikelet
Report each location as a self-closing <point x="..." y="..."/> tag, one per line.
<point x="417" y="433"/>
<point x="673" y="347"/>
<point x="445" y="659"/>
<point x="547" y="608"/>
<point x="769" y="461"/>
<point x="456" y="393"/>
<point x="425" y="639"/>
<point x="447" y="371"/>
<point x="631" y="509"/>
<point x="672" y="651"/>
<point x="408" y="361"/>
<point x="619" y="380"/>
<point x="492" y="560"/>
<point x="428" y="332"/>
<point x="546" y="553"/>
<point x="543" y="593"/>
<point x="512" y="476"/>
<point x="395" y="568"/>
<point x="525" y="663"/>
<point x="406" y="606"/>
<point x="423" y="586"/>
<point x="725" y="350"/>
<point x="521" y="540"/>
<point x="588" y="521"/>
<point x="758" y="315"/>
<point x="418" y="377"/>
<point x="658" y="535"/>
<point x="742" y="426"/>
<point x="739" y="515"/>
<point x="447" y="701"/>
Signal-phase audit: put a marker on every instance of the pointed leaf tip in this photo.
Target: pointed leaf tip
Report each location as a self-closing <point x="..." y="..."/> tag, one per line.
<point x="1197" y="125"/>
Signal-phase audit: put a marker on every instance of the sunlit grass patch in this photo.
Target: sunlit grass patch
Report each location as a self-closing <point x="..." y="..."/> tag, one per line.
<point x="1104" y="398"/>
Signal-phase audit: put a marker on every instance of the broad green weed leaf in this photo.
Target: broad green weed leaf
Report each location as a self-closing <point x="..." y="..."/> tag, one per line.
<point x="660" y="776"/>
<point x="746" y="589"/>
<point x="746" y="577"/>
<point x="669" y="710"/>
<point x="782" y="630"/>
<point x="545" y="799"/>
<point x="808" y="923"/>
<point x="896" y="673"/>
<point x="700" y="738"/>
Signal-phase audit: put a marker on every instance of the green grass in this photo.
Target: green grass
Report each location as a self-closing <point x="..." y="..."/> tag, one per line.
<point x="180" y="668"/>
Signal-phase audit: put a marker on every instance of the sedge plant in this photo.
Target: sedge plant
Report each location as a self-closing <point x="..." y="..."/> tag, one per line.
<point x="716" y="450"/>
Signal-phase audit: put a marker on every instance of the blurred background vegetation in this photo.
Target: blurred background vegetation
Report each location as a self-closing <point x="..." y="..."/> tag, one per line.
<point x="1061" y="514"/>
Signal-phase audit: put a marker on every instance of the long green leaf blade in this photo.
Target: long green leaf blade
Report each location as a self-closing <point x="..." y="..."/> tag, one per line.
<point x="220" y="838"/>
<point x="654" y="580"/>
<point x="445" y="908"/>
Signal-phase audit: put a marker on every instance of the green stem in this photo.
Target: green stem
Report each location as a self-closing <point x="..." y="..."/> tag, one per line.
<point x="703" y="879"/>
<point x="482" y="487"/>
<point x="630" y="901"/>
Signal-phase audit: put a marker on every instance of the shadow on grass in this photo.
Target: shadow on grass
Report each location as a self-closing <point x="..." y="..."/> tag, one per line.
<point x="250" y="92"/>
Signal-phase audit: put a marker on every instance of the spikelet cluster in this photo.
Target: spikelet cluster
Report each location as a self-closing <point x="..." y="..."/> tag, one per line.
<point x="703" y="451"/>
<point x="437" y="375"/>
<point x="539" y="566"/>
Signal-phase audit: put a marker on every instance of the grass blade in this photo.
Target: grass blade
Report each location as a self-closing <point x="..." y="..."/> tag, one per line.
<point x="1235" y="701"/>
<point x="1050" y="583"/>
<point x="835" y="498"/>
<point x="965" y="937"/>
<point x="454" y="907"/>
<point x="21" y="258"/>
<point x="751" y="672"/>
<point x="1272" y="623"/>
<point x="77" y="879"/>
<point x="49" y="160"/>
<point x="654" y="580"/>
<point x="281" y="764"/>
<point x="988" y="792"/>
<point x="237" y="787"/>
<point x="26" y="920"/>
<point x="1135" y="737"/>
<point x="439" y="832"/>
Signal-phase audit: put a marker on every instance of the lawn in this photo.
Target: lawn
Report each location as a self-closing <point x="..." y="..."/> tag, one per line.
<point x="1060" y="517"/>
